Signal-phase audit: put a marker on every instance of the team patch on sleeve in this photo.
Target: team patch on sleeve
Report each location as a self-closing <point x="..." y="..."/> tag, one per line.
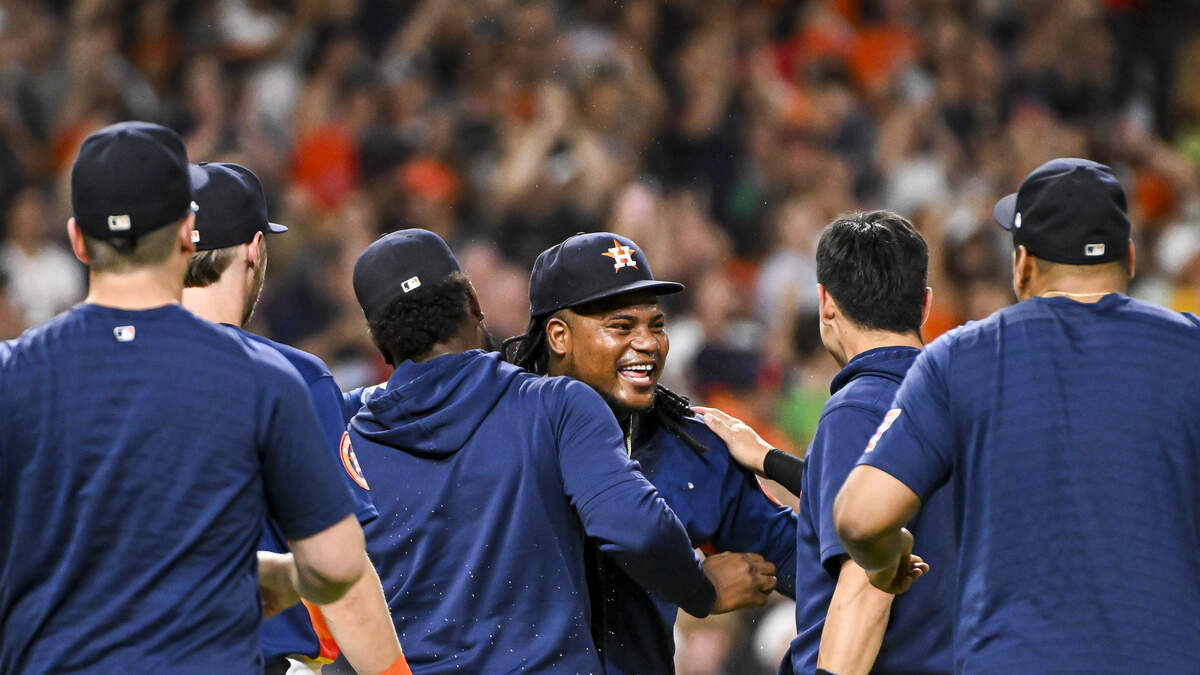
<point x="888" y="419"/>
<point x="350" y="461"/>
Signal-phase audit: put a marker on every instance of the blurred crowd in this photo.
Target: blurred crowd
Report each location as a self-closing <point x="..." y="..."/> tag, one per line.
<point x="721" y="135"/>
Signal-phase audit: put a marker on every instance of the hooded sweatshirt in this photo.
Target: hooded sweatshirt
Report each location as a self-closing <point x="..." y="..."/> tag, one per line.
<point x="487" y="480"/>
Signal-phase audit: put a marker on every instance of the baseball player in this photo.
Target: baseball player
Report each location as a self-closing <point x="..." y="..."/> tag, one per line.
<point x="595" y="317"/>
<point x="222" y="284"/>
<point x="1067" y="425"/>
<point x="141" y="447"/>
<point x="871" y="269"/>
<point x="487" y="480"/>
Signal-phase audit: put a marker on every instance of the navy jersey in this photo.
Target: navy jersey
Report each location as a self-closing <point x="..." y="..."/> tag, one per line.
<point x="291" y="631"/>
<point x="1071" y="436"/>
<point x="723" y="508"/>
<point x="487" y="479"/>
<point x="139" y="453"/>
<point x="918" y="634"/>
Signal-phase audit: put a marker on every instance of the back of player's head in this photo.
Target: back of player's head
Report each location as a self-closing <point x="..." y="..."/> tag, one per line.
<point x="1068" y="211"/>
<point x="232" y="210"/>
<point x="874" y="265"/>
<point x="128" y="183"/>
<point x="412" y="292"/>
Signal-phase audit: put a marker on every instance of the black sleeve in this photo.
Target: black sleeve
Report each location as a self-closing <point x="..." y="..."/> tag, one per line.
<point x="785" y="469"/>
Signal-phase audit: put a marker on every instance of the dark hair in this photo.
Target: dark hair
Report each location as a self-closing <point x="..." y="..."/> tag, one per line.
<point x="874" y="265"/>
<point x="531" y="351"/>
<point x="206" y="267"/>
<point x="413" y="323"/>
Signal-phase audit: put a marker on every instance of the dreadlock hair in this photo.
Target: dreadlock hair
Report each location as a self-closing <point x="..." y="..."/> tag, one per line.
<point x="412" y="323"/>
<point x="531" y="351"/>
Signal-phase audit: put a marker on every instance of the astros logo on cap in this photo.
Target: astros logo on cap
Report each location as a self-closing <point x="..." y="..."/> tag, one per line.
<point x="622" y="256"/>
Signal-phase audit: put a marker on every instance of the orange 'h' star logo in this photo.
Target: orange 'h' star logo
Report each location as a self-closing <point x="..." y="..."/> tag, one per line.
<point x="622" y="256"/>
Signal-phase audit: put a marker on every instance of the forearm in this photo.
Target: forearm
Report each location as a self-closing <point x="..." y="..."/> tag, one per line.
<point x="362" y="626"/>
<point x="635" y="528"/>
<point x="854" y="626"/>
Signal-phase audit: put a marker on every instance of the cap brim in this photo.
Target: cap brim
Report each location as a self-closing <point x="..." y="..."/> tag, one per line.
<point x="651" y="285"/>
<point x="277" y="228"/>
<point x="1005" y="211"/>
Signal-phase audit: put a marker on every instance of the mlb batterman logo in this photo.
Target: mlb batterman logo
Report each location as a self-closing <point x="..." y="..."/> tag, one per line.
<point x="622" y="256"/>
<point x="350" y="461"/>
<point x="124" y="333"/>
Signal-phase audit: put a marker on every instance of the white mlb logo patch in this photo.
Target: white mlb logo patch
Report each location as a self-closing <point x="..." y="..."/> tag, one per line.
<point x="1093" y="250"/>
<point x="888" y="419"/>
<point x="119" y="223"/>
<point x="410" y="284"/>
<point x="124" y="333"/>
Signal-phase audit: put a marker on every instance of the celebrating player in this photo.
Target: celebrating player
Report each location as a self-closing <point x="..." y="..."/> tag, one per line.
<point x="872" y="298"/>
<point x="1067" y="424"/>
<point x="141" y="447"/>
<point x="487" y="480"/>
<point x="223" y="282"/>
<point x="595" y="317"/>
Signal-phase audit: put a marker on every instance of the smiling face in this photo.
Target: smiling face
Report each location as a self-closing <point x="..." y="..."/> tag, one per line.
<point x="617" y="346"/>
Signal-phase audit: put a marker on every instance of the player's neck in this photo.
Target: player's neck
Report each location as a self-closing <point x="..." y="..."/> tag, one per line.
<point x="139" y="289"/>
<point x="211" y="303"/>
<point x="864" y="341"/>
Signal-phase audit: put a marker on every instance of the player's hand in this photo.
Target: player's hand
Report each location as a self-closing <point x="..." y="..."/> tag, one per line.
<point x="745" y="445"/>
<point x="742" y="580"/>
<point x="277" y="582"/>
<point x="899" y="578"/>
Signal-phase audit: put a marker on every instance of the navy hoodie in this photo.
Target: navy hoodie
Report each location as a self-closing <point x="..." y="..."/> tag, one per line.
<point x="917" y="638"/>
<point x="487" y="480"/>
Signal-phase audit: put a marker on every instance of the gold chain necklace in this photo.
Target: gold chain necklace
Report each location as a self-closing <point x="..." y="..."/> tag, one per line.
<point x="1052" y="294"/>
<point x="629" y="439"/>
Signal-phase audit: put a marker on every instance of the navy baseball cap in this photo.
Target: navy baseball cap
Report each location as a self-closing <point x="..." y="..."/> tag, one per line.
<point x="589" y="267"/>
<point x="1069" y="211"/>
<point x="232" y="206"/>
<point x="399" y="263"/>
<point x="130" y="178"/>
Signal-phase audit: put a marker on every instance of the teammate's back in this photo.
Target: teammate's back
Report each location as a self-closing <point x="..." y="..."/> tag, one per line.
<point x="109" y="456"/>
<point x="1080" y="440"/>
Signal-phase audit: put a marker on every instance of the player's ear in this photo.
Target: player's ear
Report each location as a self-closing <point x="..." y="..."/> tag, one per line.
<point x="77" y="245"/>
<point x="1132" y="260"/>
<point x="473" y="305"/>
<point x="254" y="250"/>
<point x="926" y="305"/>
<point x="186" y="227"/>
<point x="1023" y="271"/>
<point x="558" y="336"/>
<point x="827" y="308"/>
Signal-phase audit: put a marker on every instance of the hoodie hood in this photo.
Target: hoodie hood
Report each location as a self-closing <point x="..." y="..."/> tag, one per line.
<point x="887" y="362"/>
<point x="433" y="408"/>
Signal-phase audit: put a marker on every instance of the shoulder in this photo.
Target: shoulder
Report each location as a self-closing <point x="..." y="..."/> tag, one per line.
<point x="309" y="366"/>
<point x="263" y="360"/>
<point x="1149" y="312"/>
<point x="866" y="395"/>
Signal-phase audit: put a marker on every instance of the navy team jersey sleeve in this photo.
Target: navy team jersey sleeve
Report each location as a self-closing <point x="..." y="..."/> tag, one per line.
<point x="752" y="521"/>
<point x="620" y="509"/>
<point x="327" y="401"/>
<point x="298" y="470"/>
<point x="915" y="442"/>
<point x="841" y="435"/>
